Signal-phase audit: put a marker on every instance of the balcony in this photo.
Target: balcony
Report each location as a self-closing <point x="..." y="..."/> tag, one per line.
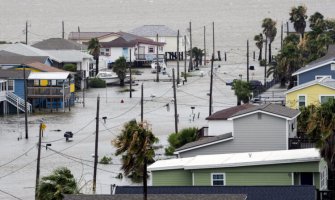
<point x="301" y="143"/>
<point x="48" y="92"/>
<point x="148" y="57"/>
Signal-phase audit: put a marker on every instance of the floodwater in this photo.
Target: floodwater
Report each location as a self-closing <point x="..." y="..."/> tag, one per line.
<point x="18" y="177"/>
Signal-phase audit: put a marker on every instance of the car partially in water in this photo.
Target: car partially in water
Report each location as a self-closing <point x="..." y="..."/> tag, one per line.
<point x="161" y="66"/>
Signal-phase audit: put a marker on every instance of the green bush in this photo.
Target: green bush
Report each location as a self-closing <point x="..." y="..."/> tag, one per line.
<point x="105" y="160"/>
<point x="97" y="83"/>
<point x="70" y="67"/>
<point x="262" y="62"/>
<point x="177" y="140"/>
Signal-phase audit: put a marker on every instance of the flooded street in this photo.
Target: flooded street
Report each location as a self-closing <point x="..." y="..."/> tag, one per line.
<point x="18" y="163"/>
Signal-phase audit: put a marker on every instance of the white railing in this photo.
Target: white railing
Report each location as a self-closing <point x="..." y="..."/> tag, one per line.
<point x="18" y="102"/>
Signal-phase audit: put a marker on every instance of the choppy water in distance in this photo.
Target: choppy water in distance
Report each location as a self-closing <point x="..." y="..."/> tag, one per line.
<point x="235" y="20"/>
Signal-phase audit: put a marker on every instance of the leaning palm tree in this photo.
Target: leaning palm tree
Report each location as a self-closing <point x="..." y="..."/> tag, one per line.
<point x="135" y="145"/>
<point x="120" y="68"/>
<point x="60" y="182"/>
<point x="94" y="49"/>
<point x="259" y="43"/>
<point x="270" y="31"/>
<point x="298" y="18"/>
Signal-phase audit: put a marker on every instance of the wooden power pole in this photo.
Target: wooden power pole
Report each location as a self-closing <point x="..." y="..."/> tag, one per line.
<point x="63" y="30"/>
<point x="175" y="102"/>
<point x="213" y="43"/>
<point x="38" y="160"/>
<point x="142" y="103"/>
<point x="266" y="49"/>
<point x="178" y="57"/>
<point x="248" y="61"/>
<point x="191" y="53"/>
<point x="26" y="32"/>
<point x="130" y="76"/>
<point x="25" y="102"/>
<point x="157" y="63"/>
<point x="185" y="60"/>
<point x="96" y="146"/>
<point x="211" y="87"/>
<point x="205" y="45"/>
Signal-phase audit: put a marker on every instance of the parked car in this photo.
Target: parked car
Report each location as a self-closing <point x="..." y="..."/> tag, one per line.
<point x="255" y="84"/>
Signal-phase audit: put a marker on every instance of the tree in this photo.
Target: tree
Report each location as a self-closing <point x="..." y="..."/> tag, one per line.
<point x="179" y="139"/>
<point x="242" y="91"/>
<point x="135" y="144"/>
<point x="197" y="55"/>
<point x="317" y="23"/>
<point x="94" y="49"/>
<point x="259" y="43"/>
<point x="120" y="68"/>
<point x="298" y="18"/>
<point x="270" y="31"/>
<point x="60" y="182"/>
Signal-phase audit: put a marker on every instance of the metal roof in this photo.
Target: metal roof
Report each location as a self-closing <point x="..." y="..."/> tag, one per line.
<point x="240" y="159"/>
<point x="68" y="55"/>
<point x="13" y="74"/>
<point x="153" y="30"/>
<point x="59" y="44"/>
<point x="272" y="109"/>
<point x="87" y="35"/>
<point x="8" y="58"/>
<point x="204" y="142"/>
<point x="48" y="75"/>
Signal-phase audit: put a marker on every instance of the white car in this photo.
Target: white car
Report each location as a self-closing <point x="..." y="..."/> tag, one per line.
<point x="161" y="66"/>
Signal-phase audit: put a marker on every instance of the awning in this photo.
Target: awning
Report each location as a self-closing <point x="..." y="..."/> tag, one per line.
<point x="48" y="75"/>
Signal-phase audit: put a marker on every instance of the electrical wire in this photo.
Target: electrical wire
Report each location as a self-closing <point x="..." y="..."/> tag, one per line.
<point x="31" y="148"/>
<point x="15" y="197"/>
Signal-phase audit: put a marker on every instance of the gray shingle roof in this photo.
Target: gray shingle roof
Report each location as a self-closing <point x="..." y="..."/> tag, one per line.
<point x="16" y="59"/>
<point x="295" y="192"/>
<point x="86" y="35"/>
<point x="13" y="74"/>
<point x="271" y="108"/>
<point x="129" y="40"/>
<point x="204" y="141"/>
<point x="153" y="30"/>
<point x="158" y="197"/>
<point x="226" y="113"/>
<point x="59" y="44"/>
<point x="330" y="56"/>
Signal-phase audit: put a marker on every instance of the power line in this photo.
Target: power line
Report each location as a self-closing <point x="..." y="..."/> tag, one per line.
<point x="17" y="157"/>
<point x="10" y="194"/>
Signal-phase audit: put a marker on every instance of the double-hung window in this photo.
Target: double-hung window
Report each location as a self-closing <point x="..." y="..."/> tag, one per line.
<point x="218" y="179"/>
<point x="302" y="100"/>
<point x="325" y="99"/>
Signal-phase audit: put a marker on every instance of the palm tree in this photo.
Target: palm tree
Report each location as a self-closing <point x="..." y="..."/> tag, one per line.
<point x="135" y="145"/>
<point x="94" y="49"/>
<point x="120" y="68"/>
<point x="259" y="43"/>
<point x="270" y="31"/>
<point x="197" y="55"/>
<point x="298" y="18"/>
<point x="60" y="182"/>
<point x="317" y="23"/>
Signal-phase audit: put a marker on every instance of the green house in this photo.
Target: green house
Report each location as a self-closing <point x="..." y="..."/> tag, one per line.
<point x="284" y="167"/>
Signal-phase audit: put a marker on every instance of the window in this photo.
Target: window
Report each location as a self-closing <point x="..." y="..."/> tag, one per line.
<point x="218" y="179"/>
<point x="107" y="50"/>
<point x="324" y="99"/>
<point x="302" y="100"/>
<point x="151" y="50"/>
<point x="10" y="85"/>
<point x="4" y="86"/>
<point x="160" y="48"/>
<point x="332" y="67"/>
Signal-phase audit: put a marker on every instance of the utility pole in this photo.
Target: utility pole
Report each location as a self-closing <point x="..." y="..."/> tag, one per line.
<point x="175" y="103"/>
<point x="178" y="56"/>
<point x="157" y="64"/>
<point x="145" y="177"/>
<point x="213" y="43"/>
<point x="38" y="161"/>
<point x="26" y="32"/>
<point x="211" y="87"/>
<point x="84" y="90"/>
<point x="191" y="53"/>
<point x="287" y="29"/>
<point x="185" y="60"/>
<point x="63" y="32"/>
<point x="266" y="45"/>
<point x="131" y="80"/>
<point x="281" y="35"/>
<point x="248" y="61"/>
<point x="205" y="45"/>
<point x="25" y="101"/>
<point x="96" y="147"/>
<point x="142" y="103"/>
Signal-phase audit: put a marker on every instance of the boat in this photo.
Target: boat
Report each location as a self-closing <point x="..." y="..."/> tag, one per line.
<point x="110" y="77"/>
<point x="161" y="66"/>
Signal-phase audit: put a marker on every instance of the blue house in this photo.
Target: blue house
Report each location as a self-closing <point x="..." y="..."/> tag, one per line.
<point x="322" y="67"/>
<point x="12" y="100"/>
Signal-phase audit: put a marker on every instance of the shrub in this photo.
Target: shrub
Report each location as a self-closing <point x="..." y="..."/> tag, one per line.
<point x="177" y="140"/>
<point x="70" y="67"/>
<point x="97" y="83"/>
<point x="105" y="160"/>
<point x="262" y="63"/>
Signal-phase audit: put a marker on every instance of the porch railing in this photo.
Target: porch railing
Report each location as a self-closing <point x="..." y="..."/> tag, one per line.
<point x="48" y="91"/>
<point x="301" y="143"/>
<point x="148" y="57"/>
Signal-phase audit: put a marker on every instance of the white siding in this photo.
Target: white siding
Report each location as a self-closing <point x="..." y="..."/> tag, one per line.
<point x="171" y="43"/>
<point x="219" y="127"/>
